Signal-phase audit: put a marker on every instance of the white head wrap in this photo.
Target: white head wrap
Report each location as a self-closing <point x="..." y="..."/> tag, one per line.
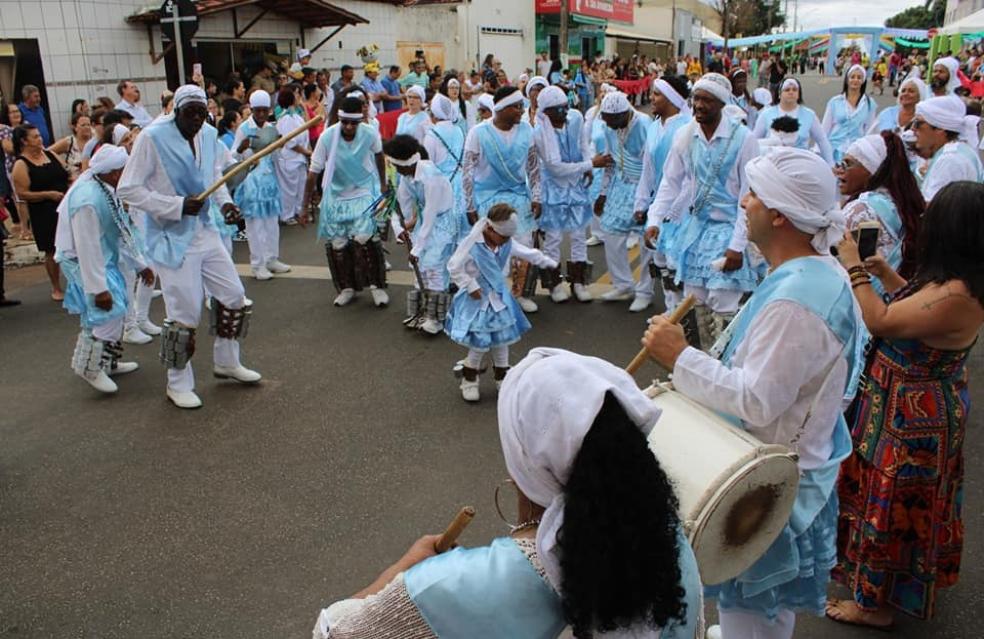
<point x="353" y="115"/>
<point x="857" y="67"/>
<point x="410" y="161"/>
<point x="945" y="112"/>
<point x="442" y="108"/>
<point x="920" y="86"/>
<point x="535" y="81"/>
<point x="454" y="82"/>
<point x="516" y="97"/>
<point x="668" y="92"/>
<point x="524" y="77"/>
<point x="969" y="133"/>
<point x="550" y="97"/>
<point x="952" y="65"/>
<point x="303" y="53"/>
<point x="485" y="101"/>
<point x="547" y="405"/>
<point x="189" y="94"/>
<point x="119" y="132"/>
<point x="870" y="151"/>
<point x="362" y="96"/>
<point x="763" y="96"/>
<point x="259" y="99"/>
<point x="615" y="102"/>
<point x="715" y="84"/>
<point x="107" y="158"/>
<point x="791" y="82"/>
<point x="418" y="91"/>
<point x="799" y="184"/>
<point x="507" y="227"/>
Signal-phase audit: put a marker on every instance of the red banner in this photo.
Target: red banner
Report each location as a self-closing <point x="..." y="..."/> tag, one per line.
<point x="620" y="10"/>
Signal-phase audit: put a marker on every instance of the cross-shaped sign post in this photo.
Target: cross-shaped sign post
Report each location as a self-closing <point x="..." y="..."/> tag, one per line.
<point x="171" y="20"/>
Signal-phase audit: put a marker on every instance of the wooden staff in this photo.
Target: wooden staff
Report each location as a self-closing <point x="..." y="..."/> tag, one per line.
<point x="259" y="155"/>
<point x="678" y="313"/>
<point x="457" y="526"/>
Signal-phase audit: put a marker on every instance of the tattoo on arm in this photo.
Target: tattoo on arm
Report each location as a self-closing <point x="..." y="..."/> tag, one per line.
<point x="928" y="305"/>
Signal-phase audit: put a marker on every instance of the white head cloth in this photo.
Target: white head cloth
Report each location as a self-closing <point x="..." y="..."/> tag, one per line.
<point x="856" y="67"/>
<point x="945" y="112"/>
<point x="952" y="65"/>
<point x="523" y="77"/>
<point x="259" y="99"/>
<point x="443" y="108"/>
<point x="799" y="184"/>
<point x="715" y="84"/>
<point x="410" y="161"/>
<point x="303" y="53"/>
<point x="547" y="405"/>
<point x="920" y="86"/>
<point x="763" y="96"/>
<point x="516" y="97"/>
<point x="362" y="96"/>
<point x="615" y="102"/>
<point x="108" y="158"/>
<point x="189" y="94"/>
<point x="969" y="133"/>
<point x="119" y="132"/>
<point x="506" y="228"/>
<point x="550" y="97"/>
<point x="454" y="82"/>
<point x="870" y="151"/>
<point x="607" y="88"/>
<point x="418" y="91"/>
<point x="790" y="82"/>
<point x="535" y="81"/>
<point x="485" y="101"/>
<point x="668" y="92"/>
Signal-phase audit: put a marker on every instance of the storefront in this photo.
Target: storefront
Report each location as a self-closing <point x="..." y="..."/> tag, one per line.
<point x="587" y="22"/>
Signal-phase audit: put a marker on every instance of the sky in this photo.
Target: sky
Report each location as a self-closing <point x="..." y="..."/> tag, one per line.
<point x="816" y="14"/>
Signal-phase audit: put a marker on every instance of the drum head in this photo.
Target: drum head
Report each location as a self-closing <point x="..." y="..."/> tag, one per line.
<point x="744" y="516"/>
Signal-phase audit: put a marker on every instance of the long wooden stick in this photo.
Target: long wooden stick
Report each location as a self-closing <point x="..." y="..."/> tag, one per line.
<point x="259" y="155"/>
<point x="675" y="317"/>
<point x="457" y="526"/>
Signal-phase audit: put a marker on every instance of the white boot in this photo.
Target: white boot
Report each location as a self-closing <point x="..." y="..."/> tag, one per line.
<point x="239" y="373"/>
<point x="713" y="632"/>
<point x="469" y="390"/>
<point x="122" y="368"/>
<point x="594" y="240"/>
<point x="431" y="326"/>
<point x="345" y="297"/>
<point x="262" y="274"/>
<point x="582" y="293"/>
<point x="149" y="327"/>
<point x="560" y="293"/>
<point x="379" y="296"/>
<point x="528" y="305"/>
<point x="617" y="295"/>
<point x="640" y="303"/>
<point x="134" y="335"/>
<point x="101" y="382"/>
<point x="276" y="266"/>
<point x="186" y="399"/>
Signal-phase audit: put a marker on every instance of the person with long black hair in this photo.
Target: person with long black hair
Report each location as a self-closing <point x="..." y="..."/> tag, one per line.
<point x="900" y="529"/>
<point x="573" y="432"/>
<point x="850" y="113"/>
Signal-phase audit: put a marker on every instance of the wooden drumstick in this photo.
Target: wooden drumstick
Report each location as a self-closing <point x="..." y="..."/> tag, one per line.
<point x="457" y="526"/>
<point x="675" y="317"/>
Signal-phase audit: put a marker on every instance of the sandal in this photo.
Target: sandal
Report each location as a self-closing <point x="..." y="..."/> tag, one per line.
<point x="837" y="606"/>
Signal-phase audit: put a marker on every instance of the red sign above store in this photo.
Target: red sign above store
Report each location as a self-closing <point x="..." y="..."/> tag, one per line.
<point x="619" y="10"/>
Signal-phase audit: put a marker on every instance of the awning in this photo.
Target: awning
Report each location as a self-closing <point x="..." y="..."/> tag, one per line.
<point x="974" y="23"/>
<point x="310" y="13"/>
<point x="597" y="22"/>
<point x="631" y="34"/>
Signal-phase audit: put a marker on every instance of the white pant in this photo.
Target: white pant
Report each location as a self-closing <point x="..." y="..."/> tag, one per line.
<point x="110" y="331"/>
<point x="139" y="297"/>
<point x="500" y="357"/>
<point x="291" y="177"/>
<point x="433" y="279"/>
<point x="744" y="625"/>
<point x="617" y="256"/>
<point x="719" y="300"/>
<point x="206" y="265"/>
<point x="264" y="240"/>
<point x="578" y="237"/>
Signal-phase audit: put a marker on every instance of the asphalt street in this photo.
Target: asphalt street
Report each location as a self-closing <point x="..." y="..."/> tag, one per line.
<point x="126" y="517"/>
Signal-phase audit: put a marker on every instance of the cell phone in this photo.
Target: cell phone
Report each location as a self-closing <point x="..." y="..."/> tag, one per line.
<point x="866" y="235"/>
<point x="196" y="69"/>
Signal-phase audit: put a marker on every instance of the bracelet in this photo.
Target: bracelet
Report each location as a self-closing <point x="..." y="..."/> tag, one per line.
<point x="860" y="276"/>
<point x="860" y="283"/>
<point x="856" y="269"/>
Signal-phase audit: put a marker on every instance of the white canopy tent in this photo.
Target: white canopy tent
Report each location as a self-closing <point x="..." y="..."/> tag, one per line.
<point x="974" y="23"/>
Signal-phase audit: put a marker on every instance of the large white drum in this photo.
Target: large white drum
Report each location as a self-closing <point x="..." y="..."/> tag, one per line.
<point x="736" y="493"/>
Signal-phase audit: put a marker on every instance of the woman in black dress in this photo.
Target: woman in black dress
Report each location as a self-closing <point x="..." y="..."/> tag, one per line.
<point x="41" y="180"/>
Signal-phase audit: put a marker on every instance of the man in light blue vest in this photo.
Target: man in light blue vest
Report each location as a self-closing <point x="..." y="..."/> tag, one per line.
<point x="784" y="370"/>
<point x="173" y="161"/>
<point x="939" y="124"/>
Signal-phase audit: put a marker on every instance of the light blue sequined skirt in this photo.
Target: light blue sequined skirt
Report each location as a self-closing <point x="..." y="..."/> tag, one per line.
<point x="346" y="218"/>
<point x="259" y="194"/>
<point x="619" y="216"/>
<point x="472" y="326"/>
<point x="78" y="303"/>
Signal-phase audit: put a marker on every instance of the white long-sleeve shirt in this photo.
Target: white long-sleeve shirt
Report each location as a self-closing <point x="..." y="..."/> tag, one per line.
<point x="788" y="362"/>
<point x="678" y="179"/>
<point x="86" y="233"/>
<point x="816" y="133"/>
<point x="464" y="271"/>
<point x="476" y="167"/>
<point x="647" y="181"/>
<point x="562" y="173"/>
<point x="951" y="164"/>
<point x="141" y="117"/>
<point x="436" y="150"/>
<point x="438" y="200"/>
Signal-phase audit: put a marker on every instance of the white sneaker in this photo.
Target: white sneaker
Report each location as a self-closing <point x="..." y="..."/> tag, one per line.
<point x="432" y="326"/>
<point x="469" y="390"/>
<point x="345" y="297"/>
<point x="101" y="382"/>
<point x="134" y="335"/>
<point x="594" y="240"/>
<point x="528" y="305"/>
<point x="713" y="632"/>
<point x="276" y="266"/>
<point x="379" y="296"/>
<point x="389" y="267"/>
<point x="560" y="293"/>
<point x="632" y="242"/>
<point x="617" y="295"/>
<point x="122" y="368"/>
<point x="239" y="373"/>
<point x="186" y="399"/>
<point x="582" y="293"/>
<point x="149" y="327"/>
<point x="262" y="273"/>
<point x="640" y="303"/>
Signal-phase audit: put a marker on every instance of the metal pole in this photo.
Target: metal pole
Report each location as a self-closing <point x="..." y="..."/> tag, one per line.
<point x="178" y="42"/>
<point x="562" y="48"/>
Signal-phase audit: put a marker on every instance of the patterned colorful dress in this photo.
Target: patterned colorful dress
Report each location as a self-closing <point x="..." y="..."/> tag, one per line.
<point x="900" y="531"/>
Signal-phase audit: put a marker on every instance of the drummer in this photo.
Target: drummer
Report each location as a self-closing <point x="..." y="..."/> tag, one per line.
<point x="573" y="433"/>
<point x="787" y="362"/>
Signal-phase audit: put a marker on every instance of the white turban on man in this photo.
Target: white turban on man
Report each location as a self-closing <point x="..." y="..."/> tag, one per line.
<point x="715" y="84"/>
<point x="952" y="65"/>
<point x="189" y="94"/>
<point x="945" y="112"/>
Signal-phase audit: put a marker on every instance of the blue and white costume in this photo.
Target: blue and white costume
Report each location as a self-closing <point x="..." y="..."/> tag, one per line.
<point x="810" y="130"/>
<point x="445" y="146"/>
<point x="428" y="202"/>
<point x="415" y="124"/>
<point x="258" y="196"/>
<point x="888" y="119"/>
<point x="844" y="123"/>
<point x="954" y="161"/>
<point x="291" y="164"/>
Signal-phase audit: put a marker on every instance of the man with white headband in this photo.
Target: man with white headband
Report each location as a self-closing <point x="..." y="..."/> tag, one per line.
<point x="566" y="163"/>
<point x="94" y="236"/>
<point x="945" y="78"/>
<point x="483" y="111"/>
<point x="501" y="167"/>
<point x="350" y="153"/>
<point x="782" y="371"/>
<point x="669" y="103"/>
<point x="625" y="140"/>
<point x="444" y="143"/>
<point x="938" y="124"/>
<point x="173" y="161"/>
<point x="573" y="433"/>
<point x="703" y="183"/>
<point x="258" y="196"/>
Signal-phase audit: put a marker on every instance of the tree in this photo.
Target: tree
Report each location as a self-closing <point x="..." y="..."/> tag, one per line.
<point x="927" y="16"/>
<point x="748" y="17"/>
